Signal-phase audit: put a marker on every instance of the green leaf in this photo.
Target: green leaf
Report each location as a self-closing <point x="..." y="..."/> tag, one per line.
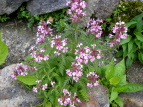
<point x="113" y="95"/>
<point x="129" y="62"/>
<point x="119" y="53"/>
<point x="125" y="52"/>
<point x="119" y="69"/>
<point x="140" y="56"/>
<point x="139" y="36"/>
<point x="131" y="23"/>
<point x="48" y="104"/>
<point x="133" y="88"/>
<point x="3" y="52"/>
<point x="130" y="45"/>
<point x="138" y="43"/>
<point x="123" y="41"/>
<point x="122" y="80"/>
<point x="29" y="80"/>
<point x="120" y="89"/>
<point x="0" y="37"/>
<point x="139" y="26"/>
<point x="119" y="101"/>
<point x="109" y="73"/>
<point x="84" y="94"/>
<point x="114" y="80"/>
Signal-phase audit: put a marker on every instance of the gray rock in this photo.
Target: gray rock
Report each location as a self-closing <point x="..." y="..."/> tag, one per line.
<point x="18" y="38"/>
<point x="99" y="8"/>
<point x="12" y="93"/>
<point x="134" y="76"/>
<point x="105" y="8"/>
<point x="135" y="73"/>
<point x="132" y="99"/>
<point x="45" y="6"/>
<point x="98" y="97"/>
<point x="9" y="6"/>
<point x="132" y="0"/>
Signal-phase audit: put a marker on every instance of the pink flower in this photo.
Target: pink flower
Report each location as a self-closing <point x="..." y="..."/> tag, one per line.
<point x="68" y="99"/>
<point x="119" y="31"/>
<point x="44" y="87"/>
<point x="76" y="10"/>
<point x="34" y="90"/>
<point x="92" y="78"/>
<point x="94" y="27"/>
<point x="38" y="81"/>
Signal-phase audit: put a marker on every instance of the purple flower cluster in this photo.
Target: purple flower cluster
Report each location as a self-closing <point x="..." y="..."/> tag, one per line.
<point x="92" y="78"/>
<point x="39" y="87"/>
<point x="86" y="54"/>
<point x="59" y="44"/>
<point x="76" y="71"/>
<point x="21" y="69"/>
<point x="39" y="56"/>
<point x="83" y="56"/>
<point x="94" y="27"/>
<point x="43" y="31"/>
<point x="67" y="99"/>
<point x="42" y="87"/>
<point x="76" y="10"/>
<point x="120" y="32"/>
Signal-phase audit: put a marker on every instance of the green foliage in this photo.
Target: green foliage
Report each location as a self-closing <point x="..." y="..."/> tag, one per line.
<point x="132" y="47"/>
<point x="117" y="82"/>
<point x="4" y="18"/>
<point x="124" y="12"/>
<point x="3" y="50"/>
<point x="29" y="80"/>
<point x="55" y="17"/>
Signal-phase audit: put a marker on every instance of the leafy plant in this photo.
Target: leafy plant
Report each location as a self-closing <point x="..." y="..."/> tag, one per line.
<point x="125" y="12"/>
<point x="62" y="68"/>
<point x="115" y="80"/>
<point x="56" y="17"/>
<point x="132" y="47"/>
<point x="4" y="18"/>
<point x="3" y="50"/>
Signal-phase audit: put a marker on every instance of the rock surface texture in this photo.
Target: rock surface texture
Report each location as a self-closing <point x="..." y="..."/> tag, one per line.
<point x="134" y="76"/>
<point x="12" y="94"/>
<point x="45" y="6"/>
<point x="9" y="6"/>
<point x="99" y="8"/>
<point x="18" y="38"/>
<point x="98" y="97"/>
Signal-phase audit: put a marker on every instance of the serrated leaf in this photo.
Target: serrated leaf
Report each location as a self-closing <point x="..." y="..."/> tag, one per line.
<point x="133" y="88"/>
<point x="140" y="56"/>
<point x="113" y="95"/>
<point x="139" y="36"/>
<point x="125" y="52"/>
<point x="130" y="45"/>
<point x="138" y="43"/>
<point x="119" y="69"/>
<point x="139" y="26"/>
<point x="29" y="80"/>
<point x="123" y="41"/>
<point x="120" y="89"/>
<point x="119" y="101"/>
<point x="114" y="80"/>
<point x="84" y="95"/>
<point x="129" y="62"/>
